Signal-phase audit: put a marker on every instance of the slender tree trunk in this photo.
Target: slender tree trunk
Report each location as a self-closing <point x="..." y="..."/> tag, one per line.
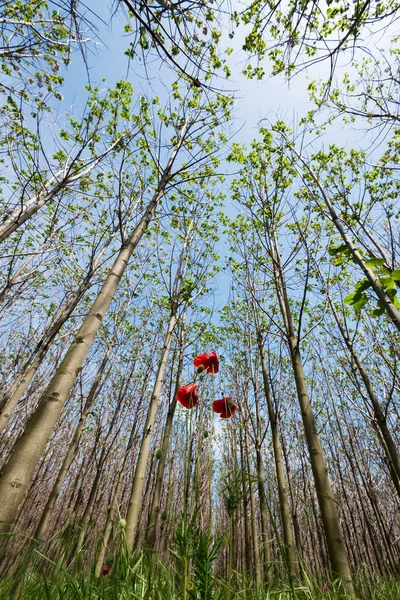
<point x="247" y="567"/>
<point x="138" y="480"/>
<point x="288" y="538"/>
<point x="113" y="502"/>
<point x="353" y="539"/>
<point x="106" y="448"/>
<point x="366" y="517"/>
<point x="387" y="303"/>
<point x="336" y="548"/>
<point x="147" y="493"/>
<point x="366" y="478"/>
<point x="309" y="537"/>
<point x="18" y="471"/>
<point x="61" y="180"/>
<point x="12" y="280"/>
<point x="150" y="537"/>
<point x="256" y="549"/>
<point x="295" y="518"/>
<point x="386" y="439"/>
<point x="17" y="388"/>
<point x="262" y="498"/>
<point x="140" y="471"/>
<point x="84" y="521"/>
<point x="263" y="510"/>
<point x="105" y="537"/>
<point x="73" y="445"/>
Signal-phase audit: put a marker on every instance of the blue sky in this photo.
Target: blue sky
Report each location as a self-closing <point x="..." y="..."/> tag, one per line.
<point x="272" y="98"/>
<point x="268" y="100"/>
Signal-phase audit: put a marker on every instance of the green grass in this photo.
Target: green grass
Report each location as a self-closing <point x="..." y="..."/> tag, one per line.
<point x="146" y="578"/>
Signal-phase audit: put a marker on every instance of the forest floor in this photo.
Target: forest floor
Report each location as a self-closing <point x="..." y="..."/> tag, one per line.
<point x="133" y="581"/>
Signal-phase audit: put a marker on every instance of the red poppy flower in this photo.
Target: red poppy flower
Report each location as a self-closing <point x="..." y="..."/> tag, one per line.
<point x="188" y="396"/>
<point x="209" y="362"/>
<point x="106" y="570"/>
<point x="224" y="407"/>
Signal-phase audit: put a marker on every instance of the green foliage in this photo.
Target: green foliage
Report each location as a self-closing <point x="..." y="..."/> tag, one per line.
<point x="140" y="577"/>
<point x="388" y="279"/>
<point x="204" y="553"/>
<point x="199" y="549"/>
<point x="358" y="299"/>
<point x="177" y="35"/>
<point x="37" y="40"/>
<point x="290" y="34"/>
<point x="232" y="492"/>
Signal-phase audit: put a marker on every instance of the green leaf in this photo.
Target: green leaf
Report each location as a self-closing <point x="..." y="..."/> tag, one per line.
<point x="377" y="312"/>
<point x="360" y="303"/>
<point x="387" y="282"/>
<point x="334" y="250"/>
<point x="375" y="262"/>
<point x="351" y="298"/>
<point x="362" y="285"/>
<point x="395" y="275"/>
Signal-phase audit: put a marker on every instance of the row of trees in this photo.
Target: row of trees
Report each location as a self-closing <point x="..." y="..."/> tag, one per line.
<point x="112" y="214"/>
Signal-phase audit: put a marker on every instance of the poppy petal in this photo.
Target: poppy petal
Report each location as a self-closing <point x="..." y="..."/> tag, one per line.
<point x="220" y="405"/>
<point x="187" y="395"/>
<point x="228" y="412"/>
<point x="209" y="362"/>
<point x="214" y="363"/>
<point x="199" y="360"/>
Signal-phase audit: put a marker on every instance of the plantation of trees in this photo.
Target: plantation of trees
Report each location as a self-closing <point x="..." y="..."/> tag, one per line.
<point x="199" y="307"/>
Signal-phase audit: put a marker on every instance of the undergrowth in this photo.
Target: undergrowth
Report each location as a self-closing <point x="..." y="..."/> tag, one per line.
<point x="145" y="577"/>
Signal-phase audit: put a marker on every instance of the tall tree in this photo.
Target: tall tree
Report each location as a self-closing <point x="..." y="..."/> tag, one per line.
<point x="18" y="472"/>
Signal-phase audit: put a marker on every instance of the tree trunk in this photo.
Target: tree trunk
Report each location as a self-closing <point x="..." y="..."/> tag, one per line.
<point x="140" y="471"/>
<point x="73" y="445"/>
<point x="295" y="519"/>
<point x="246" y="565"/>
<point x="256" y="550"/>
<point x="17" y="388"/>
<point x="389" y="445"/>
<point x="386" y="301"/>
<point x="367" y="519"/>
<point x="59" y="182"/>
<point x="18" y="472"/>
<point x="150" y="537"/>
<point x="288" y="538"/>
<point x="336" y="548"/>
<point x="113" y="503"/>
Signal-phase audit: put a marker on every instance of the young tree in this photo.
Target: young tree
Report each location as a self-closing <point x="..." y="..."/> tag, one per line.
<point x="18" y="472"/>
<point x="261" y="190"/>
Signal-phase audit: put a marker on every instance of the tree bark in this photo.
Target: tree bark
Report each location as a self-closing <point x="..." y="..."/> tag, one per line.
<point x="59" y="181"/>
<point x="336" y="548"/>
<point x="389" y="445"/>
<point x="256" y="549"/>
<point x="387" y="303"/>
<point x="73" y="445"/>
<point x="18" y="471"/>
<point x="140" y="471"/>
<point x="288" y="538"/>
<point x="150" y="537"/>
<point x="113" y="502"/>
<point x="17" y="388"/>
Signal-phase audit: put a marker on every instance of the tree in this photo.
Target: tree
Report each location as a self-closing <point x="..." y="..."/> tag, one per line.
<point x="261" y="190"/>
<point x="18" y="472"/>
